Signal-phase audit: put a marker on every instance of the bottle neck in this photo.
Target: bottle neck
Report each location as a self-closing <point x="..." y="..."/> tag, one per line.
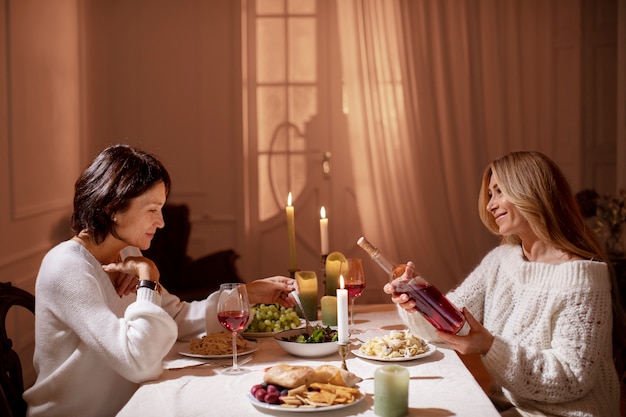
<point x="383" y="262"/>
<point x="377" y="256"/>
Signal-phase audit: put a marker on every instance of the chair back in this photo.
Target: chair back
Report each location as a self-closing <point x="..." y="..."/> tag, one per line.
<point x="11" y="381"/>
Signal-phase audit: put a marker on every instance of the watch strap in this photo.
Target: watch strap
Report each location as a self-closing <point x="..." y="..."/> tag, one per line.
<point x="147" y="283"/>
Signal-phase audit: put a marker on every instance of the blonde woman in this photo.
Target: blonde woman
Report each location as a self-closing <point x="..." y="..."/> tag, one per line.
<point x="539" y="306"/>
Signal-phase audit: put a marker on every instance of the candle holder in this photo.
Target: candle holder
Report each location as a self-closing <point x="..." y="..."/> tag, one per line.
<point x="344" y="348"/>
<point x="323" y="257"/>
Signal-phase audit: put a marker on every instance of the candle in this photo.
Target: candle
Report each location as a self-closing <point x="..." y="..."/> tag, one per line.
<point x="307" y="284"/>
<point x="334" y="261"/>
<point x="324" y="231"/>
<point x="291" y="234"/>
<point x="329" y="310"/>
<point x="391" y="391"/>
<point x="342" y="313"/>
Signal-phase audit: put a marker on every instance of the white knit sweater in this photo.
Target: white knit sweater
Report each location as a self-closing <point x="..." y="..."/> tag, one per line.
<point x="552" y="327"/>
<point x="93" y="348"/>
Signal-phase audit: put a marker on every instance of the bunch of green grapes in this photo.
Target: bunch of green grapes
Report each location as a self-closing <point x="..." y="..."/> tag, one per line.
<point x="272" y="318"/>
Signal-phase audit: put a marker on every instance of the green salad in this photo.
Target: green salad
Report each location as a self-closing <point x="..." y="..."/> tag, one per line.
<point x="320" y="334"/>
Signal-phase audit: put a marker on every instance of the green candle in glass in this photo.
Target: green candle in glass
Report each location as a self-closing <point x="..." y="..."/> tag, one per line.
<point x="307" y="283"/>
<point x="391" y="391"/>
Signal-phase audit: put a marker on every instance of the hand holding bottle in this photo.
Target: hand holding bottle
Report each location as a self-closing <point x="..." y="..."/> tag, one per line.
<point x="477" y="340"/>
<point x="426" y="298"/>
<point x="402" y="273"/>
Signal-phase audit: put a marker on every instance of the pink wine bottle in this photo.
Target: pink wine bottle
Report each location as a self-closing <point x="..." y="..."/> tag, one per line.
<point x="429" y="301"/>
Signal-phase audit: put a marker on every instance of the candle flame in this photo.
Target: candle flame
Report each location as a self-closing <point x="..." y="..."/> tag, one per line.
<point x="323" y="212"/>
<point x="289" y="199"/>
<point x="341" y="284"/>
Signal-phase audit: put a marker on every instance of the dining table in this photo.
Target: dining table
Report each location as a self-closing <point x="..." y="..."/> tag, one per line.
<point x="439" y="384"/>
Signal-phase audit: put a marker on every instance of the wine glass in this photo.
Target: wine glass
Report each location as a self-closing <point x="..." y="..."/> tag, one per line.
<point x="354" y="282"/>
<point x="233" y="313"/>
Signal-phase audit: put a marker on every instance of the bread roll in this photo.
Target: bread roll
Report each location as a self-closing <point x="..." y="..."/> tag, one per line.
<point x="290" y="376"/>
<point x="330" y="374"/>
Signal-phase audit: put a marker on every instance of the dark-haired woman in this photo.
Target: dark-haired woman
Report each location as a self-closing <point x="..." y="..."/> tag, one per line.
<point x="103" y="323"/>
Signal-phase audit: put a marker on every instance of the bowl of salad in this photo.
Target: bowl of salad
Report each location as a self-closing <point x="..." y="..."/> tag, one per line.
<point x="321" y="342"/>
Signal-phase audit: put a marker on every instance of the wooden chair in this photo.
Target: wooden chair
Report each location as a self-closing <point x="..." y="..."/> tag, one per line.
<point x="11" y="381"/>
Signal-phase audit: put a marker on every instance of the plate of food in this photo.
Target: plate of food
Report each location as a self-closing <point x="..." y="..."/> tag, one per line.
<point x="303" y="389"/>
<point x="396" y="346"/>
<point x="270" y="319"/>
<point x="304" y="408"/>
<point x="217" y="346"/>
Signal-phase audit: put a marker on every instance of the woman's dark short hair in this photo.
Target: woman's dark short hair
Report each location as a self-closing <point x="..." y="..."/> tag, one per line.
<point x="118" y="174"/>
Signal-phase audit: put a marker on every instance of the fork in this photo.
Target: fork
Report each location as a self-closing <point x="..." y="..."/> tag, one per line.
<point x="309" y="329"/>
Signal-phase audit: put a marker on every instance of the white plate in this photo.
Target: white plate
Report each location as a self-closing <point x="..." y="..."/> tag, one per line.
<point x="431" y="349"/>
<point x="253" y="348"/>
<point x="257" y="335"/>
<point x="277" y="407"/>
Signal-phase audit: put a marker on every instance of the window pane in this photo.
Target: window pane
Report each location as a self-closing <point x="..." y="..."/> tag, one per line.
<point x="271" y="112"/>
<point x="270" y="53"/>
<point x="302" y="105"/>
<point x="270" y="6"/>
<point x="299" y="169"/>
<point x="301" y="6"/>
<point x="302" y="63"/>
<point x="267" y="204"/>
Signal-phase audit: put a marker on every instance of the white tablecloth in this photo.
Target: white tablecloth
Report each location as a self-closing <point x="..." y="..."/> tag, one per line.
<point x="440" y="384"/>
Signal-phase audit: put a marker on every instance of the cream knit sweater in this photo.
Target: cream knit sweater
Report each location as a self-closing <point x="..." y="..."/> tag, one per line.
<point x="552" y="327"/>
<point x="93" y="348"/>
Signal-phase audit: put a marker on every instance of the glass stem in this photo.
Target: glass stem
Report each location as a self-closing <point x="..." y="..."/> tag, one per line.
<point x="235" y="366"/>
<point x="352" y="313"/>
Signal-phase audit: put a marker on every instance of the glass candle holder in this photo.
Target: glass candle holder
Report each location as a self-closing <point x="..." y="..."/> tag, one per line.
<point x="307" y="282"/>
<point x="329" y="310"/>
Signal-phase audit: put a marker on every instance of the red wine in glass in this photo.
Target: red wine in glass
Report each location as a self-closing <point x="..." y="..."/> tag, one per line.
<point x="354" y="282"/>
<point x="233" y="312"/>
<point x="354" y="290"/>
<point x="233" y="321"/>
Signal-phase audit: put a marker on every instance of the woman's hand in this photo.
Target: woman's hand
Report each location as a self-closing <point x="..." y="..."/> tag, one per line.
<point x="479" y="340"/>
<point x="125" y="274"/>
<point x="402" y="300"/>
<point x="272" y="290"/>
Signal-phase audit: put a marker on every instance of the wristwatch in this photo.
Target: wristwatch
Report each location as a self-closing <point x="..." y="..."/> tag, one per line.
<point x="147" y="283"/>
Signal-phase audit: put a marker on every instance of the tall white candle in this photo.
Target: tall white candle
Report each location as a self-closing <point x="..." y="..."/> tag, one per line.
<point x="324" y="231"/>
<point x="291" y="234"/>
<point x="343" y="334"/>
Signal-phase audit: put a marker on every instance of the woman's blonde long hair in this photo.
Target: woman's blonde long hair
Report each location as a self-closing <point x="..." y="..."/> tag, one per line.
<point x="535" y="185"/>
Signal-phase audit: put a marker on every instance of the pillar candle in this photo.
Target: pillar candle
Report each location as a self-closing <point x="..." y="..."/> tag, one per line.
<point x="329" y="310"/>
<point x="307" y="284"/>
<point x="323" y="231"/>
<point x="333" y="269"/>
<point x="391" y="391"/>
<point x="343" y="334"/>
<point x="291" y="234"/>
